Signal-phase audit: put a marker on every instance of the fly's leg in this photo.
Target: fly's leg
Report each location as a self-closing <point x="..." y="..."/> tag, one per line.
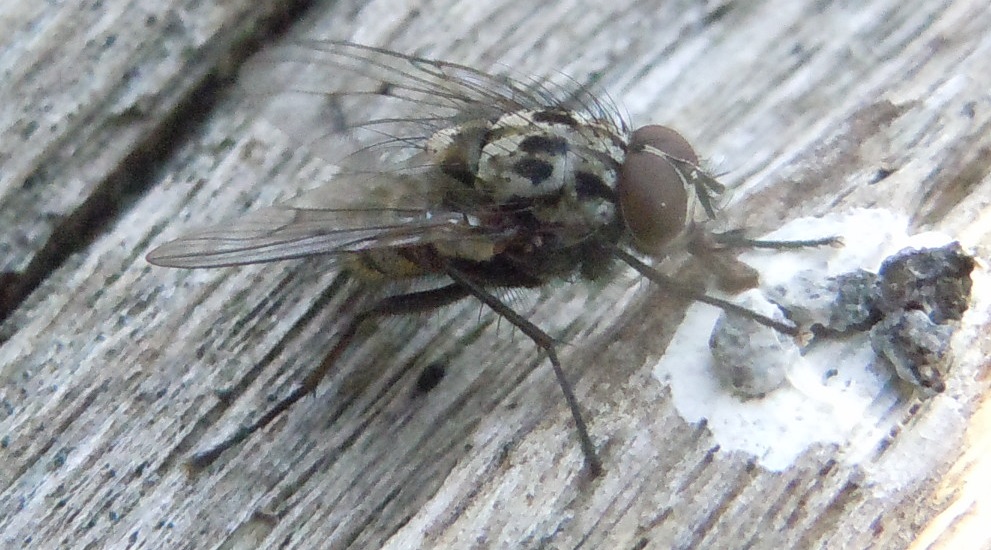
<point x="736" y="239"/>
<point x="412" y="302"/>
<point x="545" y="342"/>
<point x="716" y="251"/>
<point x="700" y="296"/>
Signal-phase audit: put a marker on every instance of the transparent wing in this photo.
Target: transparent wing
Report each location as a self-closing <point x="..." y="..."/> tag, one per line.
<point x="377" y="99"/>
<point x="386" y="97"/>
<point x="281" y="233"/>
<point x="324" y="222"/>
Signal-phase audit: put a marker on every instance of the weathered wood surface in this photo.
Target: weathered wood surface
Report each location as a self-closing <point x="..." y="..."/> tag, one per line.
<point x="112" y="145"/>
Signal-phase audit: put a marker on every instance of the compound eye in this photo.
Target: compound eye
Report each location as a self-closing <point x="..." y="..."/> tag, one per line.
<point x="653" y="198"/>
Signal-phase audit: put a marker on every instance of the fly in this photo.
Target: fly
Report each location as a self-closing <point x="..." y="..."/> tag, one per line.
<point x="506" y="184"/>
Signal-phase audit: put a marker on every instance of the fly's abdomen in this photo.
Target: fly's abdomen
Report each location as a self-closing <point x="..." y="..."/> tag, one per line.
<point x="410" y="262"/>
<point x="384" y="263"/>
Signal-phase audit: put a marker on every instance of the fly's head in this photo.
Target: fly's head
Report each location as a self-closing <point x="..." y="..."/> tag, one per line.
<point x="659" y="182"/>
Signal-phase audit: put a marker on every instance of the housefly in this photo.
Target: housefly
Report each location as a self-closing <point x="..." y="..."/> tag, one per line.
<point x="505" y="183"/>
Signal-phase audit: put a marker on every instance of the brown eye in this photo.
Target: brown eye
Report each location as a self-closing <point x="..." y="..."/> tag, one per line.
<point x="653" y="199"/>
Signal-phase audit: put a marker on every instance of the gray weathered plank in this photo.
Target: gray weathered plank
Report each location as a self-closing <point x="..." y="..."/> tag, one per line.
<point x="89" y="92"/>
<point x="109" y="368"/>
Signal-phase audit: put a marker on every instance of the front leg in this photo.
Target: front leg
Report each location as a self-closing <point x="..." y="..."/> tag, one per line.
<point x="717" y="251"/>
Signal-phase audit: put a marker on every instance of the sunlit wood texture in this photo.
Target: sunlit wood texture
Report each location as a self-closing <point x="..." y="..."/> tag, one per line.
<point x="118" y="131"/>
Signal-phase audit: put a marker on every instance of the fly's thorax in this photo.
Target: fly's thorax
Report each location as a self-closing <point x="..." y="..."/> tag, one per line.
<point x="564" y="164"/>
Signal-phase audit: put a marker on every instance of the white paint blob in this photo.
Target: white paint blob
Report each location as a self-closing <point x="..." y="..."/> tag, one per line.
<point x="835" y="394"/>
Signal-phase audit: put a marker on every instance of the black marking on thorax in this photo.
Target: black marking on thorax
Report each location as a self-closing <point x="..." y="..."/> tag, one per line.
<point x="543" y="144"/>
<point x="556" y="116"/>
<point x="533" y="169"/>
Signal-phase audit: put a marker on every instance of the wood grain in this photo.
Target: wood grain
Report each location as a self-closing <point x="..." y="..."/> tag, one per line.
<point x="108" y="369"/>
